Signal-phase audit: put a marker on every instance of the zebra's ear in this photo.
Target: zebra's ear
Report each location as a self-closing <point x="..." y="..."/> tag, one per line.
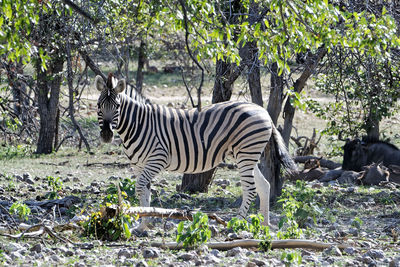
<point x="120" y="86"/>
<point x="99" y="83"/>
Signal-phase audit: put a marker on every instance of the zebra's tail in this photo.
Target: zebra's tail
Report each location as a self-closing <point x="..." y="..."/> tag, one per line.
<point x="283" y="153"/>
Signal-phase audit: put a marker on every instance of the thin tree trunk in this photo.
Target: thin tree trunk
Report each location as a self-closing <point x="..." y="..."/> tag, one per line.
<point x="48" y="98"/>
<point x="276" y="94"/>
<point x="71" y="99"/>
<point x="311" y="64"/>
<point x="141" y="62"/>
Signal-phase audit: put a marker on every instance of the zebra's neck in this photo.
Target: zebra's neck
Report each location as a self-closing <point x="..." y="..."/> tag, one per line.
<point x="127" y="120"/>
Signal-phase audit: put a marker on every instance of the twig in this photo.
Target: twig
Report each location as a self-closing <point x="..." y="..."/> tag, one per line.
<point x="185" y="20"/>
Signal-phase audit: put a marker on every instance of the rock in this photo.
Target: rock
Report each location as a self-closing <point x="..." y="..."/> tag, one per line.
<point x="124" y="252"/>
<point x="66" y="180"/>
<point x="354" y="231"/>
<point x="15" y="255"/>
<point x="350" y="251"/>
<point x="234" y="252"/>
<point x="55" y="258"/>
<point x="36" y="248"/>
<point x="211" y="260"/>
<point x="150" y="253"/>
<point x="333" y="227"/>
<point x="69" y="253"/>
<point x="332" y="251"/>
<point x="142" y="263"/>
<point x="19" y="178"/>
<point x="214" y="230"/>
<point x="76" y="180"/>
<point x="395" y="262"/>
<point x="11" y="247"/>
<point x="188" y="256"/>
<point x="29" y="181"/>
<point x="258" y="262"/>
<point x="216" y="253"/>
<point x="375" y="254"/>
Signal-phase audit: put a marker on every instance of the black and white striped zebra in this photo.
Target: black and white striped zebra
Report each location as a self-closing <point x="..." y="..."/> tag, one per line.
<point x="157" y="138"/>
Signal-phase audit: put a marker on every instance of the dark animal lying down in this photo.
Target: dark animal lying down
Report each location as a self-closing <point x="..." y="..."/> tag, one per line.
<point x="359" y="153"/>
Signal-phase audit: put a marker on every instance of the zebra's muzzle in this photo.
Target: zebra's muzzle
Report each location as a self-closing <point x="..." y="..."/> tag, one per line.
<point x="106" y="134"/>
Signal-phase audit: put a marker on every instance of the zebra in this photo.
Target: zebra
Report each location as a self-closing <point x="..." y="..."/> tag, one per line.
<point x="156" y="138"/>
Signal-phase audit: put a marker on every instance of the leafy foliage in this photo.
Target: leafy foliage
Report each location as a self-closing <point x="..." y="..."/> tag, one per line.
<point x="298" y="205"/>
<point x="104" y="225"/>
<point x="255" y="227"/>
<point x="290" y="258"/>
<point x="21" y="210"/>
<point x="127" y="187"/>
<point x="194" y="233"/>
<point x="56" y="185"/>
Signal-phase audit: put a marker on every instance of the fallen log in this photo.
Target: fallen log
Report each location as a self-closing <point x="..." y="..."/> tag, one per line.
<point x="254" y="243"/>
<point x="163" y="213"/>
<point x="324" y="162"/>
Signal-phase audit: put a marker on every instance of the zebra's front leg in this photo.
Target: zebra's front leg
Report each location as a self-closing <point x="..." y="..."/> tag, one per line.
<point x="143" y="186"/>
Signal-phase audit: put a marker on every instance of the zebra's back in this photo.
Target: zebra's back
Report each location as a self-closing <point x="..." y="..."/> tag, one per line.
<point x="199" y="141"/>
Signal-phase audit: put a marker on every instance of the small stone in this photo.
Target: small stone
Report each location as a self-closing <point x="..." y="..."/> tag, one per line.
<point x="19" y="178"/>
<point x="11" y="247"/>
<point x="66" y="180"/>
<point x="123" y="252"/>
<point x="69" y="253"/>
<point x="29" y="181"/>
<point x="251" y="264"/>
<point x="76" y="179"/>
<point x="211" y="260"/>
<point x="169" y="225"/>
<point x="350" y="251"/>
<point x="333" y="227"/>
<point x="150" y="253"/>
<point x="215" y="252"/>
<point x="37" y="248"/>
<point x="55" y="258"/>
<point x="187" y="256"/>
<point x="142" y="263"/>
<point x="214" y="231"/>
<point x="332" y="251"/>
<point x="258" y="262"/>
<point x="395" y="262"/>
<point x="234" y="252"/>
<point x="375" y="254"/>
<point x="15" y="255"/>
<point x="354" y="231"/>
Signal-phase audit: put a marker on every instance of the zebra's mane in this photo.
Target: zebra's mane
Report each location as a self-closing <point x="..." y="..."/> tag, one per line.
<point x="369" y="141"/>
<point x="134" y="94"/>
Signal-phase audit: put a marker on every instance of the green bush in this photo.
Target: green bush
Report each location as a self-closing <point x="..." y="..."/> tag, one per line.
<point x="195" y="233"/>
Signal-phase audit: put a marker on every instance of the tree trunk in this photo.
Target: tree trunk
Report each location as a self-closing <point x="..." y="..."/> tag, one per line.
<point x="141" y="62"/>
<point x="310" y="65"/>
<point x="276" y="94"/>
<point x="48" y="83"/>
<point x="226" y="74"/>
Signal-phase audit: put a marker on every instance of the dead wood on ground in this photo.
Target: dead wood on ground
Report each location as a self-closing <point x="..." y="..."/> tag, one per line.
<point x="254" y="243"/>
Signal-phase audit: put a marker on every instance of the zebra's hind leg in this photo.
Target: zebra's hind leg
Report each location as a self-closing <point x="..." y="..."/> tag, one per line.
<point x="247" y="181"/>
<point x="263" y="190"/>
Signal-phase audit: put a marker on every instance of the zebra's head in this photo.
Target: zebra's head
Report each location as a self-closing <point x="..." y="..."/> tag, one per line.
<point x="108" y="105"/>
